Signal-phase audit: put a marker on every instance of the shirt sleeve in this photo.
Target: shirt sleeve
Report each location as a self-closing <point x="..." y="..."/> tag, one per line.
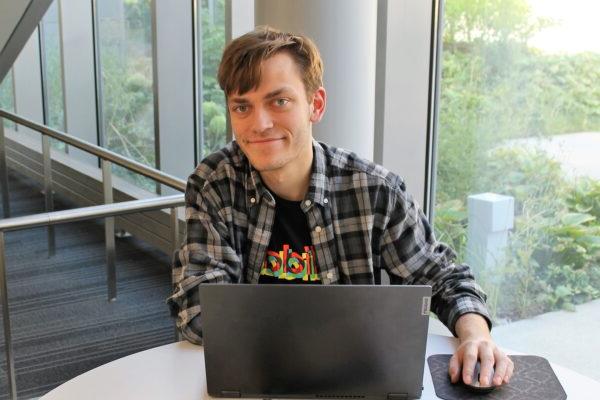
<point x="206" y="256"/>
<point x="411" y="255"/>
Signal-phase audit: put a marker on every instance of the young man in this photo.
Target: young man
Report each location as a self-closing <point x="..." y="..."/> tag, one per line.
<point x="275" y="206"/>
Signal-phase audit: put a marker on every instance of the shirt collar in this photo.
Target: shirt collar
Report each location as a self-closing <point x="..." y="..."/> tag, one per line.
<point x="255" y="189"/>
<point x="317" y="187"/>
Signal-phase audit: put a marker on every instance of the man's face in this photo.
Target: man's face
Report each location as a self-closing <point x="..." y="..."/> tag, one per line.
<point x="273" y="123"/>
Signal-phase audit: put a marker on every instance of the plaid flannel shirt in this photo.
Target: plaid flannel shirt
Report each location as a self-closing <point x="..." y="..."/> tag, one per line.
<point x="360" y="217"/>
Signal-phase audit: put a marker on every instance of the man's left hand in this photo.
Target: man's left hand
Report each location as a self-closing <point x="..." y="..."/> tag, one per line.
<point x="476" y="344"/>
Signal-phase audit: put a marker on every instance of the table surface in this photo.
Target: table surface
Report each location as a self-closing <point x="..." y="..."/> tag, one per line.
<point x="176" y="371"/>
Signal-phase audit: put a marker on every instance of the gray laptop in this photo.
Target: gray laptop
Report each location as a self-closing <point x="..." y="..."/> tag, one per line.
<point x="304" y="341"/>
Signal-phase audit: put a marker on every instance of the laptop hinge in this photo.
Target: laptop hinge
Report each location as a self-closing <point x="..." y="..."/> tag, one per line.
<point x="397" y="396"/>
<point x="230" y="393"/>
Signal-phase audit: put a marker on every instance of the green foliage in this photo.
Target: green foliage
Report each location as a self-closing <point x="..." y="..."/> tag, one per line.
<point x="489" y="21"/>
<point x="536" y="183"/>
<point x="128" y="106"/>
<point x="565" y="90"/>
<point x="572" y="286"/>
<point x="7" y="99"/>
<point x="54" y="85"/>
<point x="585" y="198"/>
<point x="554" y="264"/>
<point x="138" y="15"/>
<point x="554" y="250"/>
<point x="128" y="111"/>
<point x="451" y="225"/>
<point x="127" y="83"/>
<point x="215" y="126"/>
<point x="576" y="240"/>
<point x="53" y="70"/>
<point x="213" y="42"/>
<point x="525" y="174"/>
<point x="496" y="89"/>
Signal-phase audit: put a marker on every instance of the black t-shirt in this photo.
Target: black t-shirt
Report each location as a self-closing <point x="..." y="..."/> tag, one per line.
<point x="290" y="254"/>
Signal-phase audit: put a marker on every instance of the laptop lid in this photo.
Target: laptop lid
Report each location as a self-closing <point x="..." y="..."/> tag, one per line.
<point x="301" y="341"/>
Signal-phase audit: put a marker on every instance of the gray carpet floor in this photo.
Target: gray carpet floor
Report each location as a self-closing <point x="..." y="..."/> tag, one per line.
<point x="62" y="323"/>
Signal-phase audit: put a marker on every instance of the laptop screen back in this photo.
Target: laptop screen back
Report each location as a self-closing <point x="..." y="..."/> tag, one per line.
<point x="314" y="341"/>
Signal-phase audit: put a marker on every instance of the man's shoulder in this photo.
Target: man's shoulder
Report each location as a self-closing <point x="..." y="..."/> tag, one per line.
<point x="345" y="163"/>
<point x="224" y="162"/>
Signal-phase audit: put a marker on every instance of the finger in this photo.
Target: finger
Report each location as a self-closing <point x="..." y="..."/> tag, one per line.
<point x="454" y="367"/>
<point x="486" y="357"/>
<point x="502" y="363"/>
<point x="509" y="371"/>
<point x="468" y="363"/>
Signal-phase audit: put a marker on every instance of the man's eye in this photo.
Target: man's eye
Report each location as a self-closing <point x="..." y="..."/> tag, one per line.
<point x="240" y="109"/>
<point x="281" y="102"/>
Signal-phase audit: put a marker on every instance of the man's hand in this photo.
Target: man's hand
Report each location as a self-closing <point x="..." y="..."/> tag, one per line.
<point x="476" y="343"/>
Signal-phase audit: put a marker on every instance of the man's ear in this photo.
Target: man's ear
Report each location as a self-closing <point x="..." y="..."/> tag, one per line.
<point x="319" y="102"/>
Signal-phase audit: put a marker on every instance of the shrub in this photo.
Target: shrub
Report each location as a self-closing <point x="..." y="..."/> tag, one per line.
<point x="553" y="259"/>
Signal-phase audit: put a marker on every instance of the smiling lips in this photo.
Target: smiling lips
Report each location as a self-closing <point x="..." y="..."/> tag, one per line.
<point x="264" y="141"/>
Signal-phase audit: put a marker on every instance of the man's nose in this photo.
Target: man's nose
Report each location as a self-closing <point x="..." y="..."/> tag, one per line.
<point x="262" y="120"/>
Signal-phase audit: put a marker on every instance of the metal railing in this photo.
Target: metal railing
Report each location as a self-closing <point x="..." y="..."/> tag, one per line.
<point x="60" y="217"/>
<point x="107" y="211"/>
<point x="159" y="176"/>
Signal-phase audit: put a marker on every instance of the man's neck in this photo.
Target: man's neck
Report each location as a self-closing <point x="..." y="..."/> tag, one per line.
<point x="290" y="183"/>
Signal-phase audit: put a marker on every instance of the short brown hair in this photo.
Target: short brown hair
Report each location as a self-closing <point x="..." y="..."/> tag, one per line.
<point x="239" y="70"/>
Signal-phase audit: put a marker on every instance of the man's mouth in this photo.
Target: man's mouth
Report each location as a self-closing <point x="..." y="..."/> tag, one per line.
<point x="263" y="141"/>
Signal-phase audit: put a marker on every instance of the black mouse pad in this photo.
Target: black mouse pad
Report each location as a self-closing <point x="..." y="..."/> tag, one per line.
<point x="533" y="379"/>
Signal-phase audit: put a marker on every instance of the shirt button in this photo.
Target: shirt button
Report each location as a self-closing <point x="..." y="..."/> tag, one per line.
<point x="326" y="200"/>
<point x="252" y="200"/>
<point x="307" y="203"/>
<point x="330" y="275"/>
<point x="318" y="229"/>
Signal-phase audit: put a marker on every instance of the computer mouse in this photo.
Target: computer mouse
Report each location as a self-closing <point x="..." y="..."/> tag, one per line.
<point x="474" y="385"/>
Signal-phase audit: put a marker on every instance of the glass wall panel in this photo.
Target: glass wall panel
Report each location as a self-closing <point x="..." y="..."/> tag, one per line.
<point x="125" y="41"/>
<point x="213" y="104"/>
<point x="7" y="98"/>
<point x="518" y="176"/>
<point x="53" y="69"/>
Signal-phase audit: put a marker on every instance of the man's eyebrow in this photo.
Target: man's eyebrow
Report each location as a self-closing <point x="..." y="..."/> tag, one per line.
<point x="238" y="100"/>
<point x="276" y="92"/>
<point x="270" y="95"/>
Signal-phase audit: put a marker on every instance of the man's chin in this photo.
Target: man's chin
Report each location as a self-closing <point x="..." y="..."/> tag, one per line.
<point x="262" y="167"/>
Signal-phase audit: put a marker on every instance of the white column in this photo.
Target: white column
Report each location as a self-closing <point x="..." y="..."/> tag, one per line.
<point x="346" y="33"/>
<point x="28" y="85"/>
<point x="404" y="93"/>
<point x="78" y="74"/>
<point x="174" y="88"/>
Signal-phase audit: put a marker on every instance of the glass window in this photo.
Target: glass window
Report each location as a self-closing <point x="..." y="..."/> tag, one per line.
<point x="518" y="177"/>
<point x="53" y="69"/>
<point x="125" y="41"/>
<point x="213" y="104"/>
<point x="7" y="98"/>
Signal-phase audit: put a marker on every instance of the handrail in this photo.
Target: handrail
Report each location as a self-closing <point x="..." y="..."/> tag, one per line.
<point x="60" y="217"/>
<point x="92" y="212"/>
<point x="159" y="176"/>
<point x="106" y="211"/>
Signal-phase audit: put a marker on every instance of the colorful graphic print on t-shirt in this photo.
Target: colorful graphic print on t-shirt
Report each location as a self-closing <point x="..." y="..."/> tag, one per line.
<point x="290" y="265"/>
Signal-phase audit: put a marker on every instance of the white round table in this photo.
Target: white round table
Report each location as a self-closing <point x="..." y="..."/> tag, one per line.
<point x="176" y="372"/>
